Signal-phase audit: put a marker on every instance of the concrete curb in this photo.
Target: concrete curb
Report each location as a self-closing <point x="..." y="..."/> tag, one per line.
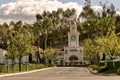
<point x="11" y="74"/>
<point x="89" y="71"/>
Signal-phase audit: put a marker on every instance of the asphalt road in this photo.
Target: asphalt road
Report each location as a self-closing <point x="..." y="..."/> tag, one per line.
<point x="61" y="73"/>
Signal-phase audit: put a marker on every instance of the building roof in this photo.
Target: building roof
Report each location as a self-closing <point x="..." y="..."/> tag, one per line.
<point x="2" y="51"/>
<point x="40" y="49"/>
<point x="2" y="54"/>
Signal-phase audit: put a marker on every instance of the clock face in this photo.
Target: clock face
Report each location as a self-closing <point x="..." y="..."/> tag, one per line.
<point x="73" y="38"/>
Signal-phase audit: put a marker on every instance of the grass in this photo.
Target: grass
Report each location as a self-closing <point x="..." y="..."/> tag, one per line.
<point x="3" y="68"/>
<point x="109" y="71"/>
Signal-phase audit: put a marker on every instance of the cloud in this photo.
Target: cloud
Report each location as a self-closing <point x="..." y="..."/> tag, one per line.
<point x="97" y="8"/>
<point x="26" y="10"/>
<point x="118" y="12"/>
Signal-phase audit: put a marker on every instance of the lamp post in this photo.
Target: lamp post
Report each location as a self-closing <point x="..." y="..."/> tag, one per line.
<point x="97" y="55"/>
<point x="105" y="54"/>
<point x="8" y="43"/>
<point x="0" y="40"/>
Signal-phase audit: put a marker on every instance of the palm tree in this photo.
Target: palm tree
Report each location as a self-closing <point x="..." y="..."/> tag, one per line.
<point x="37" y="27"/>
<point x="47" y="28"/>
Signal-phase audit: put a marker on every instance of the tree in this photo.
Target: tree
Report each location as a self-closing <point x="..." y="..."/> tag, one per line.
<point x="13" y="54"/>
<point x="3" y="35"/>
<point x="109" y="45"/>
<point x="37" y="30"/>
<point x="12" y="48"/>
<point x="97" y="27"/>
<point x="108" y="11"/>
<point x="50" y="55"/>
<point x="47" y="28"/>
<point x="87" y="13"/>
<point x="44" y="25"/>
<point x="92" y="51"/>
<point x="21" y="42"/>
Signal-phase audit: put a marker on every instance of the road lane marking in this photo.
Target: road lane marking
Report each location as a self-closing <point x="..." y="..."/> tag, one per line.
<point x="59" y="72"/>
<point x="63" y="70"/>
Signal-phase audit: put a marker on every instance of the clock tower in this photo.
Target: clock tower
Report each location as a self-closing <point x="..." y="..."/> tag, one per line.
<point x="73" y="37"/>
<point x="73" y="53"/>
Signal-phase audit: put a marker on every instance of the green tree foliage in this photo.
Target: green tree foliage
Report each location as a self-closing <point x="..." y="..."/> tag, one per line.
<point x="37" y="30"/>
<point x="117" y="24"/>
<point x="54" y="23"/>
<point x="50" y="55"/>
<point x="92" y="51"/>
<point x="88" y="13"/>
<point x="20" y="42"/>
<point x="108" y="11"/>
<point x="47" y="27"/>
<point x="109" y="45"/>
<point x="97" y="27"/>
<point x="51" y="28"/>
<point x="3" y="35"/>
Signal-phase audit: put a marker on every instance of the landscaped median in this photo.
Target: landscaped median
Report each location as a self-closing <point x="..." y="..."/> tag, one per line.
<point x="110" y="69"/>
<point x="3" y="75"/>
<point x="30" y="68"/>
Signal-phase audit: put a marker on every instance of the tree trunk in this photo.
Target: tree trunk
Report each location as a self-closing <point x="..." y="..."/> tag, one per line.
<point x="113" y="63"/>
<point x="38" y="53"/>
<point x="46" y="61"/>
<point x="26" y="63"/>
<point x="13" y="66"/>
<point x="1" y="69"/>
<point x="52" y="62"/>
<point x="46" y="36"/>
<point x="97" y="59"/>
<point x="20" y="67"/>
<point x="37" y="60"/>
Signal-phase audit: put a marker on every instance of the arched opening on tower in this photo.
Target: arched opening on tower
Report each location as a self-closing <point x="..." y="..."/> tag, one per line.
<point x="73" y="57"/>
<point x="73" y="61"/>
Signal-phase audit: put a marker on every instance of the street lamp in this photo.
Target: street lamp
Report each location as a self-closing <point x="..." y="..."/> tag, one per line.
<point x="8" y="43"/>
<point x="105" y="54"/>
<point x="0" y="40"/>
<point x="97" y="54"/>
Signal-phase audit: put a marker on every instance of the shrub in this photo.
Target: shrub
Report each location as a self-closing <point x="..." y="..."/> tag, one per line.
<point x="93" y="67"/>
<point x="41" y="66"/>
<point x="102" y="69"/>
<point x="118" y="71"/>
<point x="110" y="64"/>
<point x="3" y="68"/>
<point x="32" y="66"/>
<point x="117" y="64"/>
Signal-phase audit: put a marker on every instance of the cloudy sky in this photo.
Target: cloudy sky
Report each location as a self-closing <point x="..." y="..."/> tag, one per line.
<point x="25" y="10"/>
